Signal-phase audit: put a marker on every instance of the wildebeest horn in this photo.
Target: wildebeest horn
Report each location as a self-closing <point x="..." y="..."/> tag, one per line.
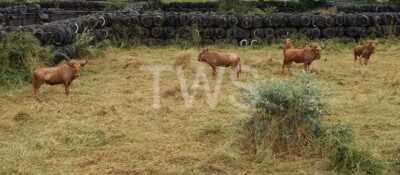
<point x="83" y="63"/>
<point x="68" y="61"/>
<point x="322" y="45"/>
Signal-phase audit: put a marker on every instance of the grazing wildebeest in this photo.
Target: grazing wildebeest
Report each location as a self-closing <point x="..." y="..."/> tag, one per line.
<point x="219" y="59"/>
<point x="365" y="51"/>
<point x="304" y="55"/>
<point x="62" y="74"/>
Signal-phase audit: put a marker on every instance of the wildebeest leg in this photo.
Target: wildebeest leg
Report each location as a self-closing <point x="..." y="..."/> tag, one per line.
<point x="366" y="61"/>
<point x="214" y="70"/>
<point x="36" y="83"/>
<point x="284" y="64"/>
<point x="35" y="89"/>
<point x="308" y="67"/>
<point x="288" y="65"/>
<point x="283" y="68"/>
<point x="238" y="69"/>
<point x="355" y="58"/>
<point x="66" y="86"/>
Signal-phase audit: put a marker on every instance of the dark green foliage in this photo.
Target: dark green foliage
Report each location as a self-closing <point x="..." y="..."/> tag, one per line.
<point x="396" y="161"/>
<point x="334" y="135"/>
<point x="83" y="44"/>
<point x="292" y="6"/>
<point x="124" y="36"/>
<point x="115" y="5"/>
<point x="192" y="39"/>
<point x="19" y="52"/>
<point x="337" y="142"/>
<point x="347" y="159"/>
<point x="234" y="5"/>
<point x="310" y="4"/>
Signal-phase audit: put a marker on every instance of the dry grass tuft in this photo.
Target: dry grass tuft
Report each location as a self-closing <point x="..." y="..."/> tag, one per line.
<point x="135" y="62"/>
<point x="183" y="59"/>
<point x="172" y="92"/>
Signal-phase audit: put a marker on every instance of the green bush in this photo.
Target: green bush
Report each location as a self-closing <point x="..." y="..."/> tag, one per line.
<point x="348" y="159"/>
<point x="337" y="142"/>
<point x="396" y="161"/>
<point x="332" y="136"/>
<point x="112" y="5"/>
<point x="83" y="43"/>
<point x="287" y="114"/>
<point x="19" y="53"/>
<point x="234" y="5"/>
<point x="124" y="37"/>
<point x="192" y="40"/>
<point x="287" y="119"/>
<point x="310" y="4"/>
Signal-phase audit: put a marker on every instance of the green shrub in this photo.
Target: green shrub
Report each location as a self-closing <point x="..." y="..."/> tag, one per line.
<point x="309" y="4"/>
<point x="19" y="53"/>
<point x="335" y="135"/>
<point x="287" y="114"/>
<point x="396" y="161"/>
<point x="337" y="142"/>
<point x="348" y="159"/>
<point x="83" y="44"/>
<point x="234" y="5"/>
<point x="112" y="5"/>
<point x="287" y="119"/>
<point x="192" y="40"/>
<point x="124" y="37"/>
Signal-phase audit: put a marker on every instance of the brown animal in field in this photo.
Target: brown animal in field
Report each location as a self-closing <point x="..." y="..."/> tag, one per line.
<point x="288" y="44"/>
<point x="305" y="55"/>
<point x="219" y="59"/>
<point x="62" y="74"/>
<point x="364" y="51"/>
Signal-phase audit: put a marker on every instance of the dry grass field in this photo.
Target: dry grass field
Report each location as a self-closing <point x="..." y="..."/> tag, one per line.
<point x="108" y="124"/>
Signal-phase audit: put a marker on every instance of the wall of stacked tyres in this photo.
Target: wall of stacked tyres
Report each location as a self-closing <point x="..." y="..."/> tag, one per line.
<point x="214" y="27"/>
<point x="138" y="24"/>
<point x="35" y="14"/>
<point x="16" y="14"/>
<point x="280" y="6"/>
<point x="66" y="5"/>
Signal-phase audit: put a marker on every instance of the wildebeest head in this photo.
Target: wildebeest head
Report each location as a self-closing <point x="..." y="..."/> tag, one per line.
<point x="203" y="51"/>
<point x="371" y="44"/>
<point x="316" y="48"/>
<point x="288" y="43"/>
<point x="76" y="65"/>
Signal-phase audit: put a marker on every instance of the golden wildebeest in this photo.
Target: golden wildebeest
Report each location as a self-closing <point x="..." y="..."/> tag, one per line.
<point x="219" y="59"/>
<point x="365" y="51"/>
<point x="62" y="74"/>
<point x="305" y="55"/>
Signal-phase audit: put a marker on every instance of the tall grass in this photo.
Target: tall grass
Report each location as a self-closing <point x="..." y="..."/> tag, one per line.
<point x="20" y="52"/>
